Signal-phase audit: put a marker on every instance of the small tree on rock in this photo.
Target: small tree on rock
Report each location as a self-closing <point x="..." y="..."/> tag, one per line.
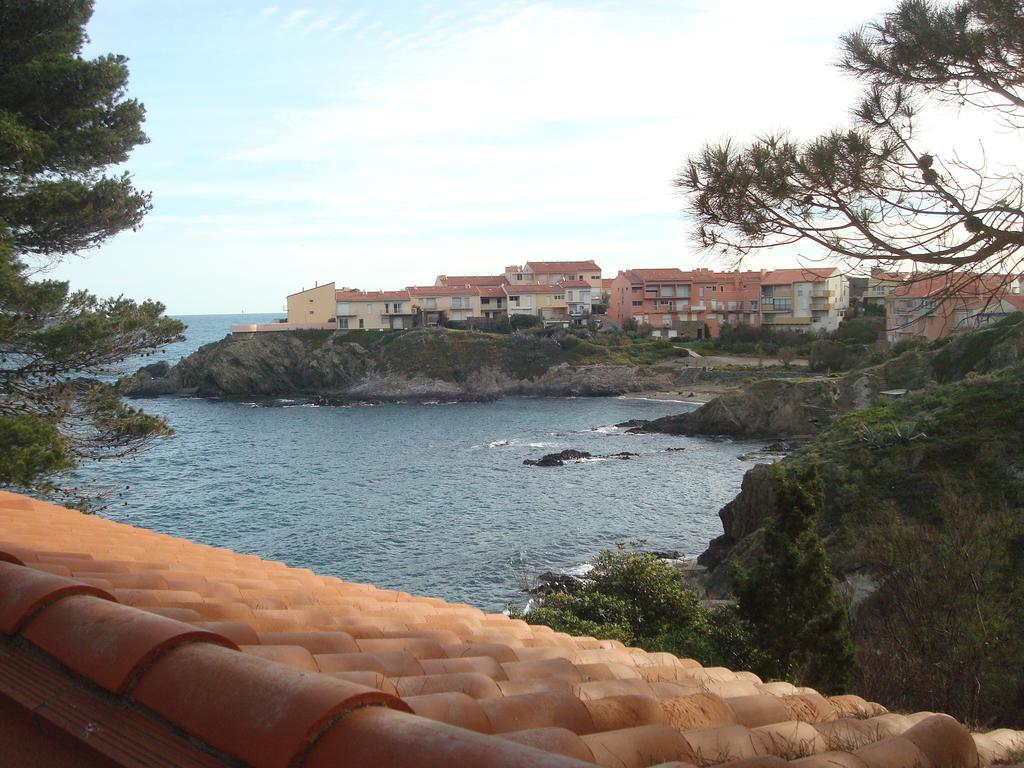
<point x="788" y="597"/>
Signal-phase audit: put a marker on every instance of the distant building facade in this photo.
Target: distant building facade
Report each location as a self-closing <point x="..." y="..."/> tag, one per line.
<point x="312" y="305"/>
<point x="668" y="298"/>
<point x="932" y="307"/>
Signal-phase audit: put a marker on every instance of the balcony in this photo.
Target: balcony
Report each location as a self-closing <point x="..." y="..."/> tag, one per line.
<point x="822" y="304"/>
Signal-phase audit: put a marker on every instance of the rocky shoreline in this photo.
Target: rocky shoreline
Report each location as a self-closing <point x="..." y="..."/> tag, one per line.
<point x="418" y="366"/>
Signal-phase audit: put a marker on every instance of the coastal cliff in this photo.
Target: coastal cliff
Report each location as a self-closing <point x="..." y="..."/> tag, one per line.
<point x="783" y="408"/>
<point x="960" y="425"/>
<point x="422" y="364"/>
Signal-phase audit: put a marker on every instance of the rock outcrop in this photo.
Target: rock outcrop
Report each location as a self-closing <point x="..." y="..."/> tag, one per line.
<point x="423" y="364"/>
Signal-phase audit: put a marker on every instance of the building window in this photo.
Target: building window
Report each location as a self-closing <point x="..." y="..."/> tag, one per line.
<point x="519" y="276"/>
<point x="559" y="297"/>
<point x="343" y="308"/>
<point x="361" y="322"/>
<point x="431" y="303"/>
<point x="485" y="300"/>
<point x="398" y="307"/>
<point x="343" y="323"/>
<point x="638" y="303"/>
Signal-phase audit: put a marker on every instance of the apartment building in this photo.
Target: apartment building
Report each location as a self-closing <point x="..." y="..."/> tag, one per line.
<point x="493" y="301"/>
<point x="373" y="310"/>
<point x="804" y="299"/>
<point x="931" y="307"/>
<point x="437" y="303"/>
<point x="544" y="301"/>
<point x="672" y="300"/>
<point x="881" y="284"/>
<point x="579" y="298"/>
<point x="554" y="272"/>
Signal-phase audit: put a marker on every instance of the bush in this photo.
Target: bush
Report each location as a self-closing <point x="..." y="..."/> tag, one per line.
<point x="633" y="597"/>
<point x="827" y="356"/>
<point x="524" y="321"/>
<point x="862" y="329"/>
<point x="945" y="628"/>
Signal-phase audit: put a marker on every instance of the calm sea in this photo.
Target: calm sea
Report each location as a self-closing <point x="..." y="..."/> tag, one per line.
<point x="433" y="499"/>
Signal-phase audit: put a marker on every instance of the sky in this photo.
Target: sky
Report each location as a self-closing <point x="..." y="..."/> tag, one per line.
<point x="378" y="144"/>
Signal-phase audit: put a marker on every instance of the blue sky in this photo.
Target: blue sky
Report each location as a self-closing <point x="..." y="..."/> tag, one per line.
<point x="379" y="143"/>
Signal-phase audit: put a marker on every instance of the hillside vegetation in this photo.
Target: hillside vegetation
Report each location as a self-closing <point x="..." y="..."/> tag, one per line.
<point x="923" y="522"/>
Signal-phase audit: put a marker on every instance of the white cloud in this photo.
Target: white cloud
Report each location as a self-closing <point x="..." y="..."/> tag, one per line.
<point x="295" y="17"/>
<point x="462" y="138"/>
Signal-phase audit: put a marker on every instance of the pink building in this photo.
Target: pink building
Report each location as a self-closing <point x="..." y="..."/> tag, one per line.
<point x="667" y="298"/>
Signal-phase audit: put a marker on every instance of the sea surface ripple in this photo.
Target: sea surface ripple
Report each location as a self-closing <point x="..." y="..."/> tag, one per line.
<point x="428" y="498"/>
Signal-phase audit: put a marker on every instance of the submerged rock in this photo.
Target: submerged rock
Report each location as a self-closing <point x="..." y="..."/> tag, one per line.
<point x="550" y="582"/>
<point x="557" y="459"/>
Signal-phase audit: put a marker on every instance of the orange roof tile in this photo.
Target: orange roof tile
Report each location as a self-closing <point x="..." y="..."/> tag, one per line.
<point x="513" y="290"/>
<point x="549" y="267"/>
<point x="443" y="290"/>
<point x="147" y="649"/>
<point x="478" y="280"/>
<point x="799" y="275"/>
<point x="666" y="273"/>
<point x="356" y="295"/>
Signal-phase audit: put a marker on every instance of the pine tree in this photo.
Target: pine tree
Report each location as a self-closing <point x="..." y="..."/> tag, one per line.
<point x="879" y="191"/>
<point x="788" y="597"/>
<point x="64" y="119"/>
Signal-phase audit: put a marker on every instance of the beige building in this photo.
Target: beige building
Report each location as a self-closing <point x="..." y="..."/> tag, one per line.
<point x="804" y="299"/>
<point x="374" y="310"/>
<point x="545" y="301"/>
<point x="437" y="303"/>
<point x="554" y="272"/>
<point x="314" y="305"/>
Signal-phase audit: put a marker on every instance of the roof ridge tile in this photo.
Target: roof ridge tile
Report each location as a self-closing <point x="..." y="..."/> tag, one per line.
<point x="24" y="592"/>
<point x="107" y="642"/>
<point x="262" y="712"/>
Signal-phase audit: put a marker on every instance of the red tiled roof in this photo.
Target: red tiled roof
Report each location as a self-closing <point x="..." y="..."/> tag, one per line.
<point x="354" y="295"/>
<point x="574" y="284"/>
<point x="562" y="266"/>
<point x="443" y="290"/>
<point x="666" y="273"/>
<point x="479" y="280"/>
<point x="121" y="646"/>
<point x="800" y="275"/>
<point x="492" y="291"/>
<point x="518" y="288"/>
<point x="957" y="284"/>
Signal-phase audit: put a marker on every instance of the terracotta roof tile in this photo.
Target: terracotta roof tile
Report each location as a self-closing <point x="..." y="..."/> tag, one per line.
<point x="563" y="266"/>
<point x="265" y="714"/>
<point x="26" y="591"/>
<point x="315" y="651"/>
<point x="392" y="740"/>
<point x="106" y="642"/>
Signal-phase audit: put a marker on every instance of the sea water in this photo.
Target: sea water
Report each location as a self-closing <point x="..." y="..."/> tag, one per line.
<point x="429" y="498"/>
